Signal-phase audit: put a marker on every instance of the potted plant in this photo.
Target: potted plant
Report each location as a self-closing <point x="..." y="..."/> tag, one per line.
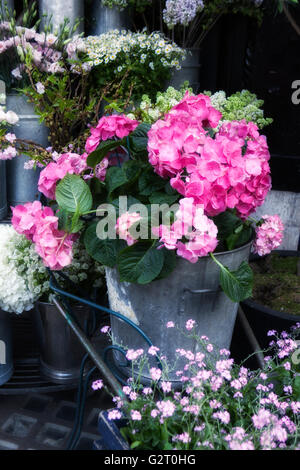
<point x="221" y="406"/>
<point x="60" y="351"/>
<point x="275" y="301"/>
<point x="185" y="232"/>
<point x="187" y="23"/>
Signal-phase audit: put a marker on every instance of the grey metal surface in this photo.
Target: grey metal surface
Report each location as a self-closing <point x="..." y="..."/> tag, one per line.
<point x="3" y="198"/>
<point x="21" y="183"/>
<point x="61" y="352"/>
<point x="287" y="205"/>
<point x="153" y="305"/>
<point x="104" y="19"/>
<point x="6" y="347"/>
<point x="10" y="3"/>
<point x="190" y="71"/>
<point x="60" y="9"/>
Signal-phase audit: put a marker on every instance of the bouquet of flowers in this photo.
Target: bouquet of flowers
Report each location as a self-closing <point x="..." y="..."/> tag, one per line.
<point x="130" y="64"/>
<point x="24" y="279"/>
<point x="186" y="21"/>
<point x="239" y="106"/>
<point x="173" y="189"/>
<point x="221" y="405"/>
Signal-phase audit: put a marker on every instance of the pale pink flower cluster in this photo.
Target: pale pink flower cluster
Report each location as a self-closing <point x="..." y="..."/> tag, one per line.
<point x="228" y="171"/>
<point x="124" y="224"/>
<point x="110" y="127"/>
<point x="42" y="47"/>
<point x="40" y="225"/>
<point x="66" y="163"/>
<point x="269" y="235"/>
<point x="8" y="153"/>
<point x="97" y="384"/>
<point x="191" y="223"/>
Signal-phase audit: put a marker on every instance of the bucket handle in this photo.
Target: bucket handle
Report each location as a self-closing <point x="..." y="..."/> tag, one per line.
<point x="202" y="291"/>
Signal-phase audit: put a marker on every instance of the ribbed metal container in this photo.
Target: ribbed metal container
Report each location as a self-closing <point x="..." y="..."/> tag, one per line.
<point x="172" y="299"/>
<point x="60" y="9"/>
<point x="104" y="19"/>
<point x="6" y="348"/>
<point x="22" y="184"/>
<point x="190" y="71"/>
<point x="61" y="352"/>
<point x="3" y="200"/>
<point x="10" y="3"/>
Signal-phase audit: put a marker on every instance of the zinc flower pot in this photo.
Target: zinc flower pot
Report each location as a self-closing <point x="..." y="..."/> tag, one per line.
<point x="58" y="10"/>
<point x="10" y="4"/>
<point x="22" y="184"/>
<point x="263" y="319"/>
<point x="190" y="292"/>
<point x="104" y="19"/>
<point x="3" y="200"/>
<point x="6" y="348"/>
<point x="190" y="71"/>
<point x="61" y="352"/>
<point x="110" y="432"/>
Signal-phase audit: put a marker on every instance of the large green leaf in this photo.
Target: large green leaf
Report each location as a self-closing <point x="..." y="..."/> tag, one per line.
<point x="150" y="182"/>
<point x="158" y="197"/>
<point x="73" y="195"/>
<point x="103" y="251"/>
<point x="237" y="284"/>
<point x="115" y="177"/>
<point x="169" y="263"/>
<point x="138" y="140"/>
<point x="102" y="150"/>
<point x="140" y="263"/>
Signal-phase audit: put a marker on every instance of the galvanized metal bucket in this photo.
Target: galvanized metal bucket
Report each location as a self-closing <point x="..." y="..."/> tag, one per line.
<point x="60" y="9"/>
<point x="175" y="299"/>
<point x="61" y="352"/>
<point x="22" y="185"/>
<point x="190" y="71"/>
<point x="6" y="348"/>
<point x="3" y="200"/>
<point x="10" y="4"/>
<point x="103" y="19"/>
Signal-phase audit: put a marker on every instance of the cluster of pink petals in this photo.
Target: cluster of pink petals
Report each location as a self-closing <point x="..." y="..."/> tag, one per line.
<point x="8" y="153"/>
<point x="123" y="225"/>
<point x="71" y="163"/>
<point x="192" y="224"/>
<point x="109" y="127"/>
<point x="40" y="225"/>
<point x="42" y="47"/>
<point x="269" y="235"/>
<point x="230" y="170"/>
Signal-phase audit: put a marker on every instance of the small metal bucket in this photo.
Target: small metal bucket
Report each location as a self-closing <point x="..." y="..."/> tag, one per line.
<point x="175" y="299"/>
<point x="58" y="10"/>
<point x="104" y="19"/>
<point x="22" y="185"/>
<point x="6" y="348"/>
<point x="61" y="352"/>
<point x="190" y="71"/>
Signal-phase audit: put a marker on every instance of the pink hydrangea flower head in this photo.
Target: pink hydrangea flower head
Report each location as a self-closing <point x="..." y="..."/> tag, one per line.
<point x="269" y="235"/>
<point x="124" y="224"/>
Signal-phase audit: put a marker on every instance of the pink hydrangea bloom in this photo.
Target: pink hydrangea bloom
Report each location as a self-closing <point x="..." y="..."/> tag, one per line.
<point x="40" y="225"/>
<point x="194" y="225"/>
<point x="108" y="127"/>
<point x="228" y="171"/>
<point x="123" y="225"/>
<point x="67" y="163"/>
<point x="269" y="235"/>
